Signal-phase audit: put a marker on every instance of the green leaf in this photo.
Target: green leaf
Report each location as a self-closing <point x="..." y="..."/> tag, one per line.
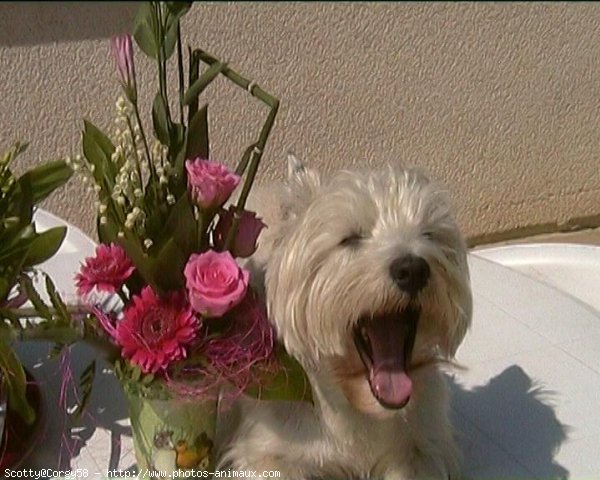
<point x="98" y="150"/>
<point x="145" y="265"/>
<point x="174" y="12"/>
<point x="94" y="155"/>
<point x="145" y="30"/>
<point x="5" y="287"/>
<point x="193" y="74"/>
<point x="86" y="383"/>
<point x="34" y="297"/>
<point x="147" y="379"/>
<point x="290" y="383"/>
<point x="17" y="244"/>
<point x="56" y="350"/>
<point x="202" y="82"/>
<point x="57" y="302"/>
<point x="177" y="139"/>
<point x="177" y="149"/>
<point x="197" y="135"/>
<point x="241" y="168"/>
<point x="136" y="373"/>
<point x="8" y="314"/>
<point x="17" y="150"/>
<point x="10" y="222"/>
<point x="168" y="266"/>
<point x="99" y="138"/>
<point x="107" y="232"/>
<point x="44" y="245"/>
<point x="22" y="201"/>
<point x="118" y="369"/>
<point x="160" y="119"/>
<point x="162" y="271"/>
<point x="43" y="180"/>
<point x="178" y="8"/>
<point x="14" y="376"/>
<point x="180" y="225"/>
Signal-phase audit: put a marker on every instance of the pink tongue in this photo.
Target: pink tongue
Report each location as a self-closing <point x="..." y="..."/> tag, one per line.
<point x="389" y="382"/>
<point x="392" y="386"/>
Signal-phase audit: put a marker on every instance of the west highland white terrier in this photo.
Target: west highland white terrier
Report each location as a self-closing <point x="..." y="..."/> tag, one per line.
<point x="367" y="285"/>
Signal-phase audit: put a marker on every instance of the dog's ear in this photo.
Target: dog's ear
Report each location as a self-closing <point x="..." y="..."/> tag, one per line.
<point x="301" y="187"/>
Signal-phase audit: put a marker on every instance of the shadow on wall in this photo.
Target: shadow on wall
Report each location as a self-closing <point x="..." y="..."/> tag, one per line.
<point x="32" y="23"/>
<point x="515" y="413"/>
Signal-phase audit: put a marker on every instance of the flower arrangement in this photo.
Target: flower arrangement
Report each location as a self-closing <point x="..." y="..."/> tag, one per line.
<point x="189" y="320"/>
<point x="189" y="325"/>
<point x="165" y="299"/>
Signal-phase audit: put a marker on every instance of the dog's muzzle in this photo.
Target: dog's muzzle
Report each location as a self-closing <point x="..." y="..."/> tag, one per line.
<point x="385" y="344"/>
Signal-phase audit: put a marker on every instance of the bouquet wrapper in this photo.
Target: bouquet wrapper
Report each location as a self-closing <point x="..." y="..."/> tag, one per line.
<point x="172" y="435"/>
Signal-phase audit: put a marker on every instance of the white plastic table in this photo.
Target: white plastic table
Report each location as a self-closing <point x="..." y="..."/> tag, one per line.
<point x="526" y="407"/>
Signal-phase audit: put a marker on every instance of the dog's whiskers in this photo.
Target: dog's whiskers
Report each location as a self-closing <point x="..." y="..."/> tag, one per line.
<point x="435" y="361"/>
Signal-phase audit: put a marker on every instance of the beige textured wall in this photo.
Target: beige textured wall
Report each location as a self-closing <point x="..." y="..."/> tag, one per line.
<point x="499" y="101"/>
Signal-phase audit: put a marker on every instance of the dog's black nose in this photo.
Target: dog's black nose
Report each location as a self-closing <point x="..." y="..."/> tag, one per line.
<point x="410" y="273"/>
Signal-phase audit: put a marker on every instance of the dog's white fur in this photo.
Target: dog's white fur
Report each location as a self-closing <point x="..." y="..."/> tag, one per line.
<point x="316" y="290"/>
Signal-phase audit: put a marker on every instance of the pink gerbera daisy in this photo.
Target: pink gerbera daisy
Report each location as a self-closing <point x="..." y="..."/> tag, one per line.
<point x="155" y="331"/>
<point x="107" y="271"/>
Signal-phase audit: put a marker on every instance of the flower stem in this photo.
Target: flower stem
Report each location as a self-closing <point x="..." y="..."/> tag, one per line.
<point x="145" y="141"/>
<point x="180" y="69"/>
<point x="66" y="335"/>
<point x="255" y="157"/>
<point x="160" y="40"/>
<point x="239" y="80"/>
<point x="162" y="63"/>
<point x="31" y="312"/>
<point x="201" y="229"/>
<point x="258" y="148"/>
<point x="137" y="158"/>
<point x="193" y="74"/>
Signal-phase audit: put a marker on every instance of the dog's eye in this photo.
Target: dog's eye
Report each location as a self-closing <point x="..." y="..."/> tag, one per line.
<point x="352" y="240"/>
<point x="429" y="235"/>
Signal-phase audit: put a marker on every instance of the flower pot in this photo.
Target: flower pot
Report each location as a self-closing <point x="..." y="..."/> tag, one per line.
<point x="17" y="439"/>
<point x="172" y="434"/>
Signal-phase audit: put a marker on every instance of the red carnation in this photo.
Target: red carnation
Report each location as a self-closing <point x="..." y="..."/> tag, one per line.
<point x="106" y="272"/>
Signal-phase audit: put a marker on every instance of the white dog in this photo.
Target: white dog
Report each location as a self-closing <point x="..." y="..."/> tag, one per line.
<point x="367" y="286"/>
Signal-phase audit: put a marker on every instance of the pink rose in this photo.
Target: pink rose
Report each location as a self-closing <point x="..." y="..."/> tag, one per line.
<point x="215" y="282"/>
<point x="106" y="272"/>
<point x="210" y="183"/>
<point x="246" y="236"/>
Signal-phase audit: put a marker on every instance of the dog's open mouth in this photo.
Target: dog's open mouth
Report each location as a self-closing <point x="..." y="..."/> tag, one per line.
<point x="385" y="344"/>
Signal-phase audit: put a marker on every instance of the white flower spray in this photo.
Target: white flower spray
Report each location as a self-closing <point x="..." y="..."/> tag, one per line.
<point x="134" y="169"/>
